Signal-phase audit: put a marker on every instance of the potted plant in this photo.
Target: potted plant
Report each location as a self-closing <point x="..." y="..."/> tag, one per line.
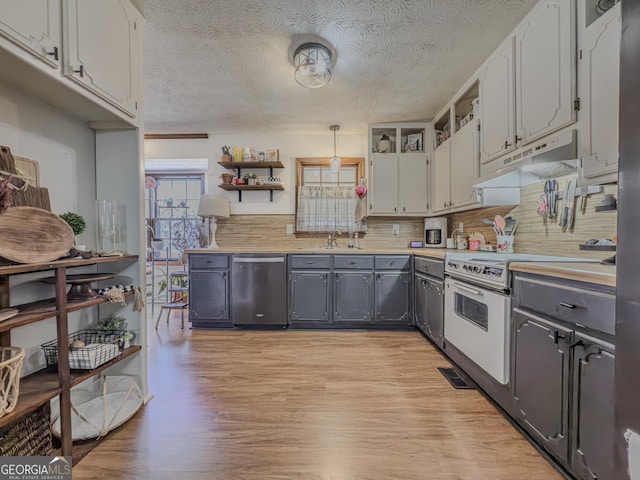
<point x="226" y="154"/>
<point x="250" y="178"/>
<point x="77" y="224"/>
<point x="115" y="323"/>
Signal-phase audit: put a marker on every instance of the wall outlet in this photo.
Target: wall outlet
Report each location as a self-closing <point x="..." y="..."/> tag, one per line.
<point x="289" y="228"/>
<point x="396" y="229"/>
<point x="461" y="227"/>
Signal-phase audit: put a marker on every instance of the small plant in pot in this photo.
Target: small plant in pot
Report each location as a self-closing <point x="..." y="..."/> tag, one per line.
<point x="250" y="178"/>
<point x="226" y="154"/>
<point x="77" y="224"/>
<point x="115" y="323"/>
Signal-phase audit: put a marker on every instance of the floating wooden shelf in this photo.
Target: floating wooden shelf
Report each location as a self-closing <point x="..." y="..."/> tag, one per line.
<point x="272" y="186"/>
<point x="40" y="387"/>
<point x="244" y="165"/>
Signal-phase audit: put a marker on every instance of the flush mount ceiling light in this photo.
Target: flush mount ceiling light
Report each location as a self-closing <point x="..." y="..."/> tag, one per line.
<point x="335" y="161"/>
<point x="313" y="65"/>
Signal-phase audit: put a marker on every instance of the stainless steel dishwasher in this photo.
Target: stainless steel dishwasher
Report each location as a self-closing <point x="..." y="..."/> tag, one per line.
<point x="259" y="290"/>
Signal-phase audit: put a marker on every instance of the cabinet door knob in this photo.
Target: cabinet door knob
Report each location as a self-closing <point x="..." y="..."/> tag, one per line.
<point x="404" y="209"/>
<point x="54" y="54"/>
<point x="506" y="144"/>
<point x="395" y="209"/>
<point x="80" y="71"/>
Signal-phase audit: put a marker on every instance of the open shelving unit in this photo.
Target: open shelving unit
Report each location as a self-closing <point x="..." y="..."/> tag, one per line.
<point x="239" y="166"/>
<point x="40" y="387"/>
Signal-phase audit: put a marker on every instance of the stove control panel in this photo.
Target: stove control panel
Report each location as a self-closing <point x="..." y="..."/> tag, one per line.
<point x="491" y="272"/>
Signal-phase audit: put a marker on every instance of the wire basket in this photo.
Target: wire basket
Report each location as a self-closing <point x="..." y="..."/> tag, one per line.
<point x="100" y="346"/>
<point x="11" y="359"/>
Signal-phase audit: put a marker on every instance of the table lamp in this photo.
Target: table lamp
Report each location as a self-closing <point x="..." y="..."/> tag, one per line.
<point x="213" y="208"/>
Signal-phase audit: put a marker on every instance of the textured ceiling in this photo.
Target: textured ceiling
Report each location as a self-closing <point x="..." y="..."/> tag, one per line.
<point x="225" y="66"/>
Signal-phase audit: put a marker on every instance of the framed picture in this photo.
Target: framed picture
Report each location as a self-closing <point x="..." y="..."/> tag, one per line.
<point x="414" y="142"/>
<point x="272" y="155"/>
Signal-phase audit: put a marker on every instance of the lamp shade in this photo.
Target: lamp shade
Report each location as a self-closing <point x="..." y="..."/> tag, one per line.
<point x="212" y="206"/>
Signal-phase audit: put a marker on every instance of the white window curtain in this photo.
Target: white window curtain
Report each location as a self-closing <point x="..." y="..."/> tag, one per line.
<point x="329" y="209"/>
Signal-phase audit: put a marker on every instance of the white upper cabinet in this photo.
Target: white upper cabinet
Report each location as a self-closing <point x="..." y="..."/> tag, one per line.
<point x="497" y="109"/>
<point x="441" y="177"/>
<point x="545" y="70"/>
<point x="383" y="185"/>
<point x="600" y="75"/>
<point x="35" y="26"/>
<point x="398" y="169"/>
<point x="103" y="60"/>
<point x="414" y="194"/>
<point x="465" y="167"/>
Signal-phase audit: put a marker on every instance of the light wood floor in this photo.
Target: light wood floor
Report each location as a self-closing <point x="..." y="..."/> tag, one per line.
<point x="308" y="405"/>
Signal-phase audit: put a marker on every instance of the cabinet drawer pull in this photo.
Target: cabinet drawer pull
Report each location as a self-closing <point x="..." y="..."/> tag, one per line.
<point x="54" y="54"/>
<point x="310" y="263"/>
<point x="567" y="305"/>
<point x="352" y="263"/>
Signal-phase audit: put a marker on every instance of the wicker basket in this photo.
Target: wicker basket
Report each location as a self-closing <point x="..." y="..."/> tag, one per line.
<point x="100" y="347"/>
<point x="11" y="359"/>
<point x="28" y="435"/>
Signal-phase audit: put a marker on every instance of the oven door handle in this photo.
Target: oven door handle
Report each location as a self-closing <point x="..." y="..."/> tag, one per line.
<point x="469" y="290"/>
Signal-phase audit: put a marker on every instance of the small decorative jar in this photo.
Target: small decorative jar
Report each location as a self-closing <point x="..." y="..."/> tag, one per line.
<point x="384" y="144"/>
<point x="262" y="157"/>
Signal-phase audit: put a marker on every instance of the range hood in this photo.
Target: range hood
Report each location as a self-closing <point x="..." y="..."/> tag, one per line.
<point x="550" y="157"/>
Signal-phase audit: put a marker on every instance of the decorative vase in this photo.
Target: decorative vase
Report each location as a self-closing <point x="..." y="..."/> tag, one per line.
<point x="384" y="144"/>
<point x="227" y="178"/>
<point x="238" y="153"/>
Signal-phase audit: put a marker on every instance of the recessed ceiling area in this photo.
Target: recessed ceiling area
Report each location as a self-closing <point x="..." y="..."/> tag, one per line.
<point x="226" y="66"/>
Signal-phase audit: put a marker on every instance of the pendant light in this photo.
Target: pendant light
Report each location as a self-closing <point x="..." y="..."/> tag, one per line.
<point x="335" y="161"/>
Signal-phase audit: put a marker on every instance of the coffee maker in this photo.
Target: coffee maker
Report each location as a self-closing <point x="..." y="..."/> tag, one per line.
<point x="435" y="232"/>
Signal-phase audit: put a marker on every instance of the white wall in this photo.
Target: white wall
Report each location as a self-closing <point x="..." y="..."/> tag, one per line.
<point x="64" y="148"/>
<point x="290" y="147"/>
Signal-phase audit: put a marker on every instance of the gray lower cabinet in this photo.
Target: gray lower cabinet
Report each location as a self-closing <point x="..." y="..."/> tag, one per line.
<point x="209" y="292"/>
<point x="392" y="298"/>
<point x="540" y="380"/>
<point x="353" y="295"/>
<point x="309" y="296"/>
<point x="563" y="367"/>
<point x="350" y="290"/>
<point x="593" y="409"/>
<point x="429" y="307"/>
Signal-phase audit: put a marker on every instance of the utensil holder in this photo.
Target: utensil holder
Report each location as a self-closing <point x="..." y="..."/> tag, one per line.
<point x="505" y="243"/>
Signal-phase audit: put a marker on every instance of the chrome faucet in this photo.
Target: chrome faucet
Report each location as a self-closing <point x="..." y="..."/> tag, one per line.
<point x="332" y="240"/>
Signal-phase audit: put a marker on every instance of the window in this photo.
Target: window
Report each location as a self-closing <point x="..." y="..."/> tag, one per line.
<point x="170" y="210"/>
<point x="326" y="201"/>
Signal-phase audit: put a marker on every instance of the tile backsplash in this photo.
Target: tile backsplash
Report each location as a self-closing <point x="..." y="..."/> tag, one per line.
<point x="531" y="237"/>
<point x="270" y="231"/>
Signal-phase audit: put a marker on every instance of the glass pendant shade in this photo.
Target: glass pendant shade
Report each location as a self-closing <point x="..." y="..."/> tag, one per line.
<point x="335" y="161"/>
<point x="313" y="65"/>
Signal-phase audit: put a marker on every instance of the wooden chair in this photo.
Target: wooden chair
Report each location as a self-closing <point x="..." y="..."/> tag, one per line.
<point x="178" y="296"/>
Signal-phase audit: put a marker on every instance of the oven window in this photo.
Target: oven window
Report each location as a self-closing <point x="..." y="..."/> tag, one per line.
<point x="472" y="310"/>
